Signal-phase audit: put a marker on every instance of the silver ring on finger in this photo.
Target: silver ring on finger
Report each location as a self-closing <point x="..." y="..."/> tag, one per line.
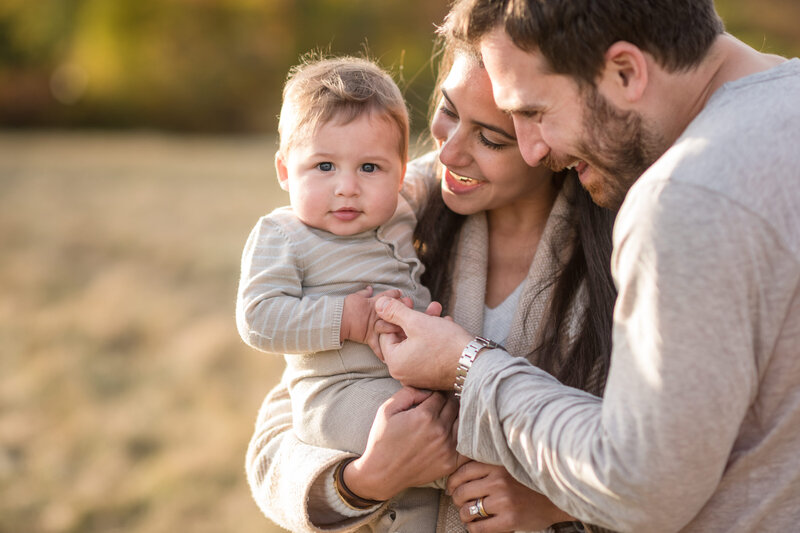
<point x="481" y="511"/>
<point x="473" y="509"/>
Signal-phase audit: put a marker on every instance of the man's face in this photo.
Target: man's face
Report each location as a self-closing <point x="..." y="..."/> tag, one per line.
<point x="559" y="124"/>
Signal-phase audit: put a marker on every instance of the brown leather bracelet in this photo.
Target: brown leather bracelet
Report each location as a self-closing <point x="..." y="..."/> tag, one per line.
<point x="348" y="497"/>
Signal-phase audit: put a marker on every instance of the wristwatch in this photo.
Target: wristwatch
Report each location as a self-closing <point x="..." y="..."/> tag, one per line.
<point x="468" y="356"/>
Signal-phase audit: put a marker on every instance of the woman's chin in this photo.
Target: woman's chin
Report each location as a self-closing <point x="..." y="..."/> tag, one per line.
<point x="459" y="204"/>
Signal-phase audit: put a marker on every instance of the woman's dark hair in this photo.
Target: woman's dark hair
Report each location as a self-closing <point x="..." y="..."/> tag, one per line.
<point x="588" y="266"/>
<point x="435" y="239"/>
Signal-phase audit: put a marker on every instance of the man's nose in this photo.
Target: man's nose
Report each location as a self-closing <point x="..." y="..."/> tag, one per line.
<point x="531" y="144"/>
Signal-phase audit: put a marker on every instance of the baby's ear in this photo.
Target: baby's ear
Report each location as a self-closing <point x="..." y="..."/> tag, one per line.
<point x="283" y="172"/>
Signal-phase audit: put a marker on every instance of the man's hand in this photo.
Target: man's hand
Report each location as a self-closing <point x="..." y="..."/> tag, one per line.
<point x="426" y="353"/>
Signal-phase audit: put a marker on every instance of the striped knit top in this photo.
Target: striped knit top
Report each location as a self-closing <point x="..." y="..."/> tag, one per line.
<point x="294" y="277"/>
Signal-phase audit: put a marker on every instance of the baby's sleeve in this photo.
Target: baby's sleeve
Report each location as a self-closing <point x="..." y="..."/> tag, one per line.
<point x="271" y="313"/>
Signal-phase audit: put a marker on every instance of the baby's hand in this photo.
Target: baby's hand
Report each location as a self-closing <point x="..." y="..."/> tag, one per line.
<point x="359" y="317"/>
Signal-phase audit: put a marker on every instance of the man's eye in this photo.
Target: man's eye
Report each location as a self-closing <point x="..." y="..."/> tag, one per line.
<point x="369" y="167"/>
<point x="325" y="167"/>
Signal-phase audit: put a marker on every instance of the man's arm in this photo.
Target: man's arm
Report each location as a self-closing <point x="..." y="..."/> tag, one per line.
<point x="650" y="454"/>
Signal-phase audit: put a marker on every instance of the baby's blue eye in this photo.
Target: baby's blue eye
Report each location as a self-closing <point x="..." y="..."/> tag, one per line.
<point x="369" y="167"/>
<point x="325" y="167"/>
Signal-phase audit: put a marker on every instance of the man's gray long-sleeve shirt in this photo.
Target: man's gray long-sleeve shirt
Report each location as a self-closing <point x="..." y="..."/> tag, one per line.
<point x="699" y="429"/>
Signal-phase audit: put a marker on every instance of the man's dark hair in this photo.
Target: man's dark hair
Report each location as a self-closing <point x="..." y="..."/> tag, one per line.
<point x="573" y="35"/>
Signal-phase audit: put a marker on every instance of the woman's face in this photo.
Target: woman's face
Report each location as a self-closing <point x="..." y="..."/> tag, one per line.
<point x="483" y="167"/>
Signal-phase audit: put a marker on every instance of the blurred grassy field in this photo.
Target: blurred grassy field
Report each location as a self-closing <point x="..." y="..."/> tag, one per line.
<point x="126" y="396"/>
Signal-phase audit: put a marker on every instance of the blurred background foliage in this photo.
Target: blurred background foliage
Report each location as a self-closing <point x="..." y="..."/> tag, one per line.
<point x="191" y="65"/>
<point x="218" y="65"/>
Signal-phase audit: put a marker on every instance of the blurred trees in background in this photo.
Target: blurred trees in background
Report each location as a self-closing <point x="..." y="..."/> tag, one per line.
<point x="219" y="65"/>
<point x="192" y="65"/>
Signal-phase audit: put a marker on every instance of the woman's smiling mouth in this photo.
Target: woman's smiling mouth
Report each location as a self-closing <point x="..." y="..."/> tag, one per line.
<point x="460" y="184"/>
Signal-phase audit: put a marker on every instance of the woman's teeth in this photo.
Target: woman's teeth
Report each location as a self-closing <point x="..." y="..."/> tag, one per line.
<point x="463" y="179"/>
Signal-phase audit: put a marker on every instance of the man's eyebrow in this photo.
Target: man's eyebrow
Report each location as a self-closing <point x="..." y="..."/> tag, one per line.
<point x="496" y="129"/>
<point x="522" y="110"/>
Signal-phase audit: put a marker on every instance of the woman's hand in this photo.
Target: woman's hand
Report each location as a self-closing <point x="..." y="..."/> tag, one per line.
<point x="511" y="506"/>
<point x="412" y="442"/>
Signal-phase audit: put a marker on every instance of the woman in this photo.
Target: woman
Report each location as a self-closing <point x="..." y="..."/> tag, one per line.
<point x="503" y="247"/>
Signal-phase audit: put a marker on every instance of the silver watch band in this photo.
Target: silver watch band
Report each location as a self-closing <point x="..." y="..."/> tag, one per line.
<point x="468" y="356"/>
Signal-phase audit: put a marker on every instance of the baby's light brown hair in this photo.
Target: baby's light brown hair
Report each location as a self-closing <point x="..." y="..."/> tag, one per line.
<point x="342" y="88"/>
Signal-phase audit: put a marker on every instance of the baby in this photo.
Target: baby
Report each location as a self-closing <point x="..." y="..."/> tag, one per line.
<point x="312" y="271"/>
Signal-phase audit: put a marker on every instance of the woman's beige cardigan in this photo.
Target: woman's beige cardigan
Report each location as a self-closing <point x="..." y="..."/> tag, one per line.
<point x="281" y="469"/>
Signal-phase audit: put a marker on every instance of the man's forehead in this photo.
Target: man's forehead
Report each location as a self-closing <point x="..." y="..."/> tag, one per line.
<point x="515" y="73"/>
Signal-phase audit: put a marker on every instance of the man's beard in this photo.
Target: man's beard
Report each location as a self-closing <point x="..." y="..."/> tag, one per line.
<point x="618" y="145"/>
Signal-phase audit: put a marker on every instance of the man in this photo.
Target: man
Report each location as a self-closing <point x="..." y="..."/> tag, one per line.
<point x="699" y="426"/>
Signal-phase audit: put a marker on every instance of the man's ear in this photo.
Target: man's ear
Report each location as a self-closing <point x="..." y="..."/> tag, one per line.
<point x="282" y="171"/>
<point x="625" y="74"/>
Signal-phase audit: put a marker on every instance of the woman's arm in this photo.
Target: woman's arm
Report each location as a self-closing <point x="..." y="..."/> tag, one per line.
<point x="283" y="472"/>
<point x="411" y="443"/>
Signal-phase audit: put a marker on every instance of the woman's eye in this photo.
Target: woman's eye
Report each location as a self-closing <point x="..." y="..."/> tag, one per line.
<point x="369" y="167"/>
<point x="325" y="167"/>
<point x="489" y="144"/>
<point x="447" y="112"/>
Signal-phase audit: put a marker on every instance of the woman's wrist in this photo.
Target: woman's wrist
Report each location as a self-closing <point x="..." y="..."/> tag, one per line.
<point x="354" y="487"/>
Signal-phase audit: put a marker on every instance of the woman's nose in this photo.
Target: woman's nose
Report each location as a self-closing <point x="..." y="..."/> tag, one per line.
<point x="453" y="151"/>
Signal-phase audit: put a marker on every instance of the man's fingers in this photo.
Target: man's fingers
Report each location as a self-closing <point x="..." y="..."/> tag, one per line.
<point x="434" y="309"/>
<point x="387" y="341"/>
<point x="382" y="327"/>
<point x="393" y="311"/>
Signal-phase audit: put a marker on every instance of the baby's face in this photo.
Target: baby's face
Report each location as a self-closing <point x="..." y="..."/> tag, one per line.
<point x="345" y="178"/>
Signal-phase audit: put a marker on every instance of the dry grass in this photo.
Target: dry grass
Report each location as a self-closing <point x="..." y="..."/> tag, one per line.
<point x="126" y="396"/>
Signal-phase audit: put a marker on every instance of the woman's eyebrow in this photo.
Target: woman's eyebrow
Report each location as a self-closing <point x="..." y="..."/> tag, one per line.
<point x="495" y="129"/>
<point x="447" y="97"/>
